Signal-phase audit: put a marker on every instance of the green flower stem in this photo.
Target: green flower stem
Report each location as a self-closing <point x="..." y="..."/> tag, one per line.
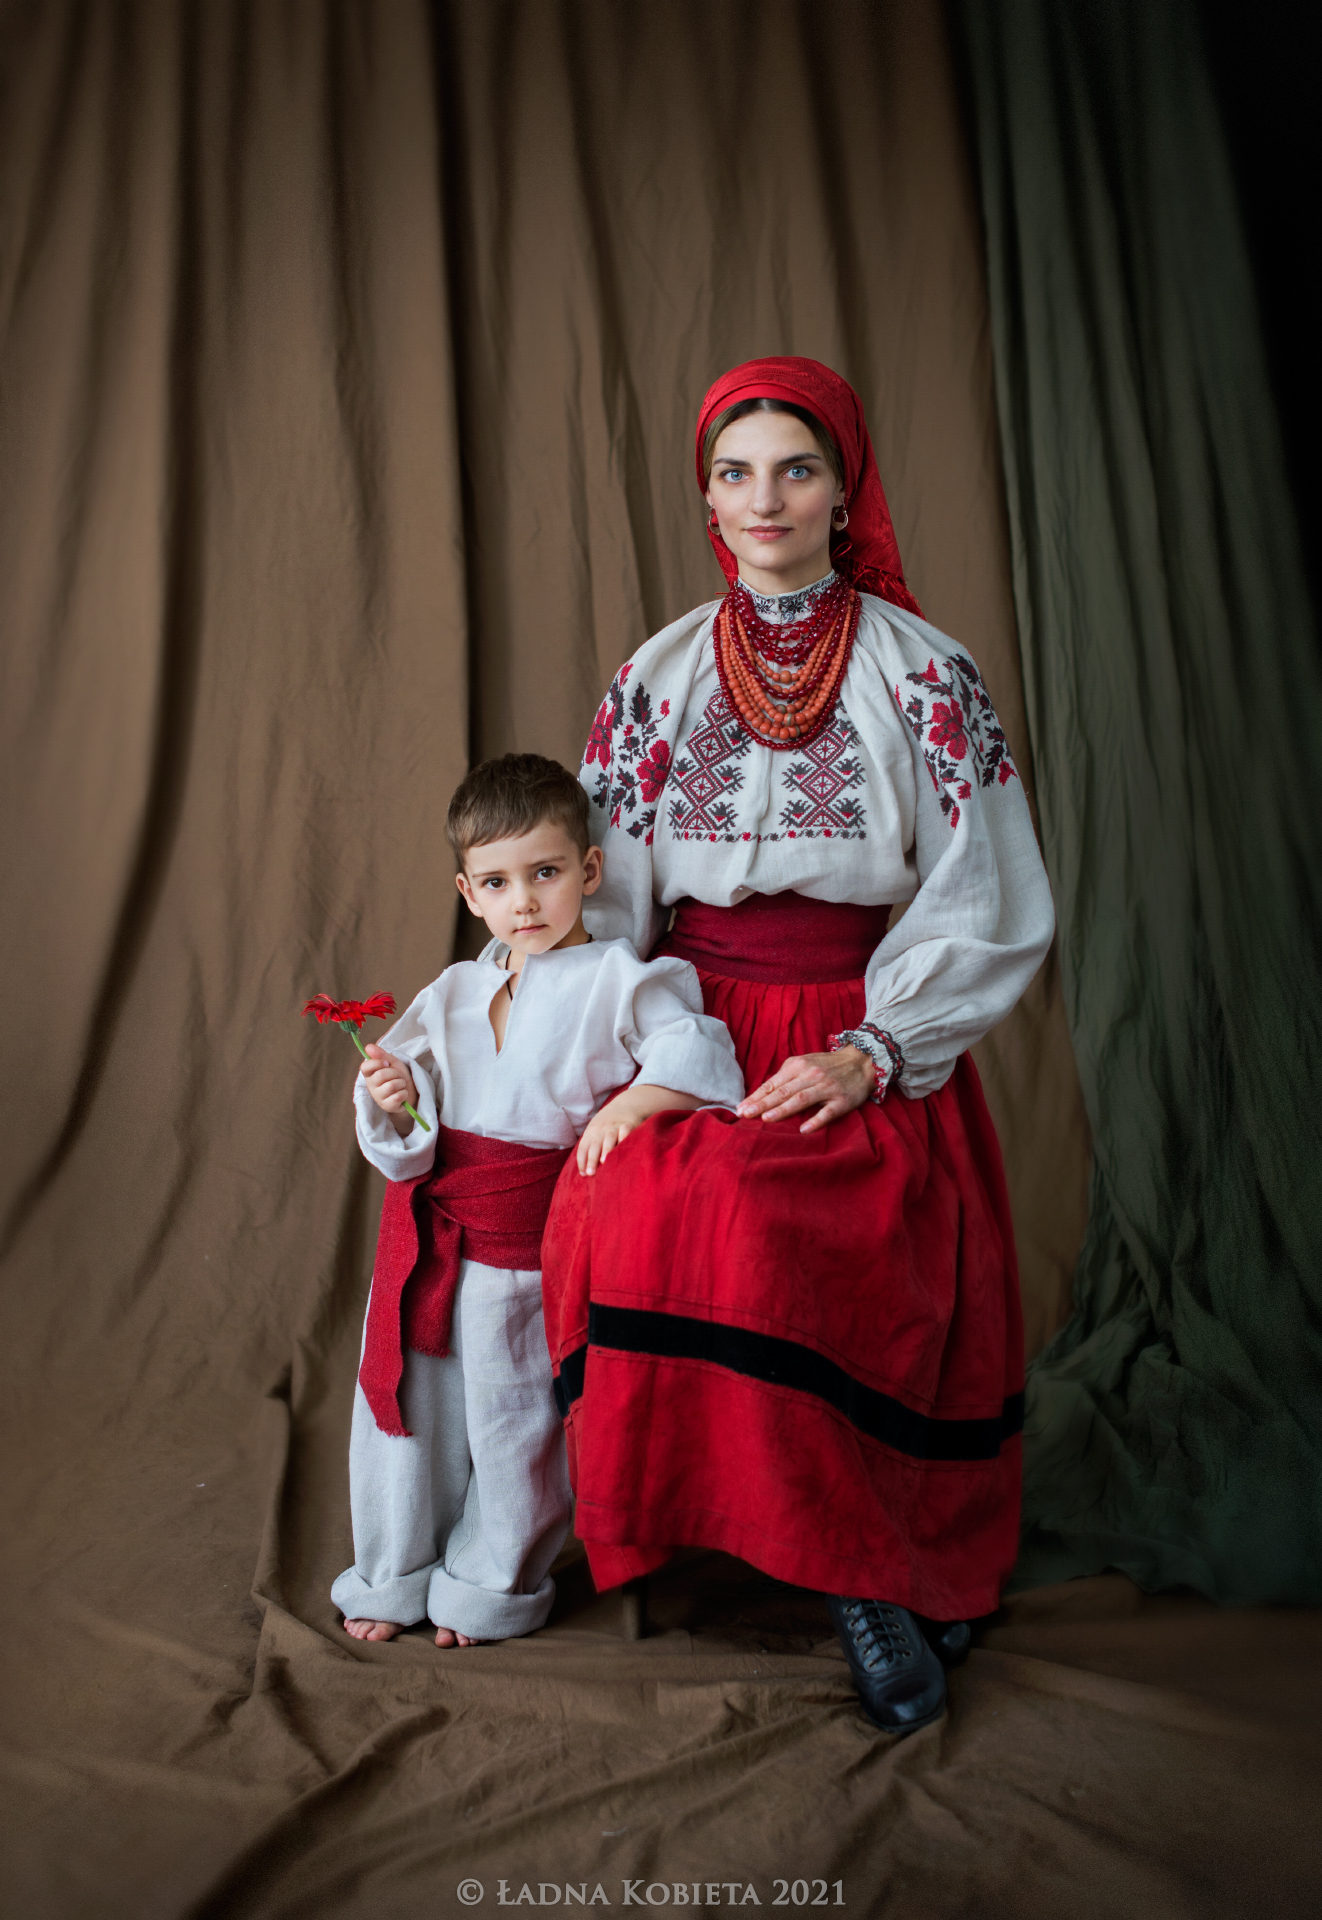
<point x="352" y="1033"/>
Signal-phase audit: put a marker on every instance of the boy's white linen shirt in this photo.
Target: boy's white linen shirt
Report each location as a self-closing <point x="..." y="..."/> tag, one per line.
<point x="580" y="1021"/>
<point x="980" y="915"/>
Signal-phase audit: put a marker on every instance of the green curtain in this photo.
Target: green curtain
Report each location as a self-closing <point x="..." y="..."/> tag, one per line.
<point x="1175" y="1424"/>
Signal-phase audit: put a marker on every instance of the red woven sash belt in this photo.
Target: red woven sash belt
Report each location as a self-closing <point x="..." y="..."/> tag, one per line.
<point x="486" y="1200"/>
<point x="777" y="938"/>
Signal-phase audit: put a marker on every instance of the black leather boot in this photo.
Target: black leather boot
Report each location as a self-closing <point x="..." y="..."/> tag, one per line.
<point x="949" y="1640"/>
<point x="901" y="1682"/>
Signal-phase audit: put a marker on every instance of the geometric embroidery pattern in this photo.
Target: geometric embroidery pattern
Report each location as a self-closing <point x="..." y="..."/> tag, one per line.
<point x="707" y="773"/>
<point x="820" y="786"/>
<point x="825" y="786"/>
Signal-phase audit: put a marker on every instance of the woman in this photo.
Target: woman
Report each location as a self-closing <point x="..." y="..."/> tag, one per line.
<point x="793" y="1332"/>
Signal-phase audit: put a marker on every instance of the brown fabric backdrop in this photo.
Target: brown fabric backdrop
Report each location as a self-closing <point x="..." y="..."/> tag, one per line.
<point x="347" y="370"/>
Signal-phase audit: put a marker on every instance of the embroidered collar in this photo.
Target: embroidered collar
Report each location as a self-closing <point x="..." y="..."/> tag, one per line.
<point x="781" y="609"/>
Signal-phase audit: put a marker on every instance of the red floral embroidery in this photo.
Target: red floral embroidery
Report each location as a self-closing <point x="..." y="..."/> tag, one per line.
<point x="634" y="761"/>
<point x="652" y="771"/>
<point x="963" y="724"/>
<point x="599" y="740"/>
<point x="948" y="731"/>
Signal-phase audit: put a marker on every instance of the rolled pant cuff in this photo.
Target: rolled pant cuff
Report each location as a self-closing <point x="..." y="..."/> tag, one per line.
<point x="483" y="1615"/>
<point x="403" y="1600"/>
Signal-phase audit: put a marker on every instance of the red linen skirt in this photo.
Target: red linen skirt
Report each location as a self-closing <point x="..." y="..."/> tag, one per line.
<point x="806" y="1350"/>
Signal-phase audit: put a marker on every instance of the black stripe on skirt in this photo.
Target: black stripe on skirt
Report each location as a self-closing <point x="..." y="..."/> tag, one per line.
<point x="784" y="1363"/>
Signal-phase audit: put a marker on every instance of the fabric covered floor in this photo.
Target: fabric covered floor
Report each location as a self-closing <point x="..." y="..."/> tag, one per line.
<point x="190" y="1733"/>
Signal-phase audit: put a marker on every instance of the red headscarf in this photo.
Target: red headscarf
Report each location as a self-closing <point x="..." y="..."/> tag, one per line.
<point x="865" y="554"/>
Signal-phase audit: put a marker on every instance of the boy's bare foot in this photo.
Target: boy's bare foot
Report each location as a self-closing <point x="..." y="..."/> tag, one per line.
<point x="447" y="1637"/>
<point x="373" y="1629"/>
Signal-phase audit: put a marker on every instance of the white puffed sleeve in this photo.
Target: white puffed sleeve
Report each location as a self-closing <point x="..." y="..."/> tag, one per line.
<point x="663" y="1027"/>
<point x="982" y="919"/>
<point x="405" y="1157"/>
<point x="625" y="767"/>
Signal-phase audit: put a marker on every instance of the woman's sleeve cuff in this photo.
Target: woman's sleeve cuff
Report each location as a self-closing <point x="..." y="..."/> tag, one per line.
<point x="881" y="1048"/>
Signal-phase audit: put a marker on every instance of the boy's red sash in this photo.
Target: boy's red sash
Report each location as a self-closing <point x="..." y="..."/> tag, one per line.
<point x="486" y="1200"/>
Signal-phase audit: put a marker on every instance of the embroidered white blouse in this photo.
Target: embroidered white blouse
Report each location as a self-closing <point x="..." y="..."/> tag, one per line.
<point x="580" y="1021"/>
<point x="908" y="796"/>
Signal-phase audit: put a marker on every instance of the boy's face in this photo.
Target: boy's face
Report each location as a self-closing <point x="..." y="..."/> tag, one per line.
<point x="530" y="889"/>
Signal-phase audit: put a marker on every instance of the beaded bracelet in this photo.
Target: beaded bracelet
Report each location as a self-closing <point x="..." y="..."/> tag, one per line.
<point x="881" y="1048"/>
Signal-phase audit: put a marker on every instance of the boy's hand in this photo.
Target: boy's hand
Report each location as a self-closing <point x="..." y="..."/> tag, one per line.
<point x="390" y="1084"/>
<point x="619" y="1118"/>
<point x="603" y="1133"/>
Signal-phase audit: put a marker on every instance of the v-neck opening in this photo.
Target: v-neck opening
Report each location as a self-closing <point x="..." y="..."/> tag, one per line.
<point x="509" y="985"/>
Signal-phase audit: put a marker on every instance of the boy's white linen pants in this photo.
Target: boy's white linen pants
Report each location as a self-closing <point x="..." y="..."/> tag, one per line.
<point x="458" y="1521"/>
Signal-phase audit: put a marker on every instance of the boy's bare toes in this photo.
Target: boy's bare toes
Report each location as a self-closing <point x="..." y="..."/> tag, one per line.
<point x="373" y="1629"/>
<point x="447" y="1637"/>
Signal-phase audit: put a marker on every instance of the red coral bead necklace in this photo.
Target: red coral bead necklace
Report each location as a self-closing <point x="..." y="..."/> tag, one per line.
<point x="783" y="682"/>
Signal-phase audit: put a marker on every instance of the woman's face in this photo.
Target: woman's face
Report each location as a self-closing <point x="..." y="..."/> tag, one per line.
<point x="773" y="495"/>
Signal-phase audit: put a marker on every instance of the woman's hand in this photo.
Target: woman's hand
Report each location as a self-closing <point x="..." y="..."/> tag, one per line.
<point x="835" y="1083"/>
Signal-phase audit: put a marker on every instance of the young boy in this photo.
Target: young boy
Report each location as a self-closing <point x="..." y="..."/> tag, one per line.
<point x="458" y="1515"/>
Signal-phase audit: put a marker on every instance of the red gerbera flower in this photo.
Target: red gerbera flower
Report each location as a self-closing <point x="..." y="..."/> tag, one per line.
<point x="350" y="1014"/>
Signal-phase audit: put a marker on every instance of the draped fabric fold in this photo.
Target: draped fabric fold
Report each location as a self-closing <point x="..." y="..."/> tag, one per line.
<point x="1174" y="1427"/>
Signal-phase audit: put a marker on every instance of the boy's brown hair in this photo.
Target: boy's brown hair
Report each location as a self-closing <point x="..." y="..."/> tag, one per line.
<point x="501" y="799"/>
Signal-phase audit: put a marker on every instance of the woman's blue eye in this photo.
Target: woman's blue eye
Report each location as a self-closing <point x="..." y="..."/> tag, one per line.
<point x="798" y="473"/>
<point x="733" y="473"/>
